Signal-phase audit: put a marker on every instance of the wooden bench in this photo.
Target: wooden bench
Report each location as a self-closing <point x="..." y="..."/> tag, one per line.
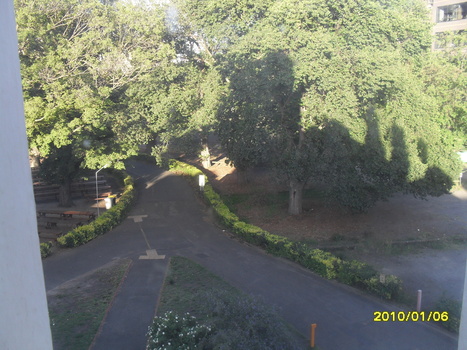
<point x="88" y="184"/>
<point x="91" y="178"/>
<point x="45" y="187"/>
<point x="45" y="212"/>
<point x="43" y="195"/>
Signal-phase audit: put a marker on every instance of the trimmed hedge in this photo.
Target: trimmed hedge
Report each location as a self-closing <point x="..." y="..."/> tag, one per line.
<point x="104" y="223"/>
<point x="325" y="264"/>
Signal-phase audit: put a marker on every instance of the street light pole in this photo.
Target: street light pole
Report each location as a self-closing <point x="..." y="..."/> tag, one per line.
<point x="97" y="189"/>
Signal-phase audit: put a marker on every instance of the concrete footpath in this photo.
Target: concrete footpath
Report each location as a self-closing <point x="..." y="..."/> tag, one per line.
<point x="169" y="220"/>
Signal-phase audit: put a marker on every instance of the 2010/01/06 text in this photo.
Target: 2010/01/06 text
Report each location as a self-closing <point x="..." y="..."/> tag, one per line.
<point x="410" y="316"/>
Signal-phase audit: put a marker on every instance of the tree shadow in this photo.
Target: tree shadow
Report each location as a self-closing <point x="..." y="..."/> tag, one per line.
<point x="261" y="122"/>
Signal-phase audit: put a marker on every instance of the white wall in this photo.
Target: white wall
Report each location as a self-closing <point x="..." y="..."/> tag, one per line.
<point x="463" y="326"/>
<point x="24" y="320"/>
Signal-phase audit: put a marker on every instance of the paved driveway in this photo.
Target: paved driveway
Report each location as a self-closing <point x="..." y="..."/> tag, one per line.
<point x="169" y="220"/>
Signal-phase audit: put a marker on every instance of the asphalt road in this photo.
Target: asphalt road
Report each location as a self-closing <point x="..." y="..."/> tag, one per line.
<point x="169" y="220"/>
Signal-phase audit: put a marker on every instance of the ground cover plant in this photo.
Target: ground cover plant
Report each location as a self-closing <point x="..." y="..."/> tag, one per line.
<point x="77" y="308"/>
<point x="196" y="304"/>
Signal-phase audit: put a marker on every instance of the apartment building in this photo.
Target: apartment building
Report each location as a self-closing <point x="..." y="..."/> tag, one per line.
<point x="448" y="16"/>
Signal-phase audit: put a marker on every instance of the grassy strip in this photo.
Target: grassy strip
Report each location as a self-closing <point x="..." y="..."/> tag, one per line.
<point x="76" y="310"/>
<point x="327" y="265"/>
<point x="197" y="304"/>
<point x="103" y="223"/>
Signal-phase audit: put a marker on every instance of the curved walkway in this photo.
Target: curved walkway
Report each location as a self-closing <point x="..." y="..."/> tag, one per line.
<point x="168" y="220"/>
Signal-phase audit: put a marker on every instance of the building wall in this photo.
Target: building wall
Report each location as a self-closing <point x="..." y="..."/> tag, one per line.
<point x="24" y="319"/>
<point x="448" y="16"/>
<point x="458" y="22"/>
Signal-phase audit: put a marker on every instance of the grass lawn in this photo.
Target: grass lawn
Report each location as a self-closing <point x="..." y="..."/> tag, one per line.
<point x="76" y="309"/>
<point x="236" y="320"/>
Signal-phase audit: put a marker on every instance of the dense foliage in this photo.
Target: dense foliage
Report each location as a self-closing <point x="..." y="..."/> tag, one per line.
<point x="77" y="60"/>
<point x="338" y="99"/>
<point x="344" y="94"/>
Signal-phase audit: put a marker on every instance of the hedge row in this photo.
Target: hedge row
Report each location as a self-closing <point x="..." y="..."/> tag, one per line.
<point x="103" y="223"/>
<point x="350" y="272"/>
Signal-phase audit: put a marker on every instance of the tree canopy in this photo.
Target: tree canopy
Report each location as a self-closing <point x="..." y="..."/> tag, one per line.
<point x="77" y="59"/>
<point x="344" y="94"/>
<point x="332" y="92"/>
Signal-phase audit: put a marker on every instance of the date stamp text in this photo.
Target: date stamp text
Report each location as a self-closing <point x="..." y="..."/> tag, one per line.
<point x="410" y="316"/>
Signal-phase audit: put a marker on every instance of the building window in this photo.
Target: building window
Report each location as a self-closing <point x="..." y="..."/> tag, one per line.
<point x="452" y="12"/>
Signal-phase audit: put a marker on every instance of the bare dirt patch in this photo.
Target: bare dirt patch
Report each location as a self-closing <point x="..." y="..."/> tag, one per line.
<point x="401" y="218"/>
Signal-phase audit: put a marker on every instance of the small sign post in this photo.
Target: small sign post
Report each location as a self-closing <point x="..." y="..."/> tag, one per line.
<point x="202" y="182"/>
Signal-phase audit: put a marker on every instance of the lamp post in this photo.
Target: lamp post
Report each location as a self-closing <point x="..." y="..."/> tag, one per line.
<point x="97" y="189"/>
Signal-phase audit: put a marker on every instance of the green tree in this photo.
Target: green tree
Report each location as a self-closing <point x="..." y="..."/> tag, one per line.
<point x="445" y="76"/>
<point x="331" y="91"/>
<point x="77" y="59"/>
<point x="213" y="26"/>
<point x="177" y="105"/>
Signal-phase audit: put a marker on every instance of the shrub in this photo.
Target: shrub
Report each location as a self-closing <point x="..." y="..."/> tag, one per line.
<point x="103" y="223"/>
<point x="171" y="331"/>
<point x="183" y="168"/>
<point x="453" y="308"/>
<point x="391" y="288"/>
<point x="46" y="249"/>
<point x="325" y="264"/>
<point x="354" y="272"/>
<point x="243" y="322"/>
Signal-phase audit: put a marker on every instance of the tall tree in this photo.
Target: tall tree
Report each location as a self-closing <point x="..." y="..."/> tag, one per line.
<point x="331" y="91"/>
<point x="177" y="105"/>
<point x="445" y="76"/>
<point x="77" y="59"/>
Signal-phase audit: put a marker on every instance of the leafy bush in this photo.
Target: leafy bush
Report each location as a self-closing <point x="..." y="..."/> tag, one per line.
<point x="453" y="308"/>
<point x="242" y="322"/>
<point x="46" y="249"/>
<point x="183" y="168"/>
<point x="103" y="223"/>
<point x="177" y="332"/>
<point x="325" y="264"/>
<point x="391" y="288"/>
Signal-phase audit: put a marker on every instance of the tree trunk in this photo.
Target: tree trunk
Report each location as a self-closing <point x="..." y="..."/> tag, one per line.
<point x="205" y="154"/>
<point x="64" y="195"/>
<point x="35" y="158"/>
<point x="295" y="197"/>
